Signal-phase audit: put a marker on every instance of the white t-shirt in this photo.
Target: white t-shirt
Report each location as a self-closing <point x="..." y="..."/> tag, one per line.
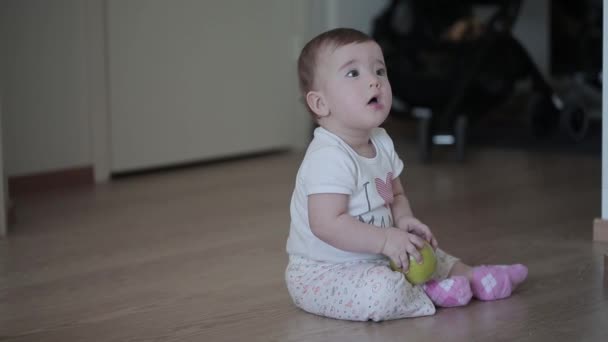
<point x="332" y="166"/>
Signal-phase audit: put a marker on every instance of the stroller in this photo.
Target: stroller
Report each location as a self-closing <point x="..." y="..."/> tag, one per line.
<point x="449" y="69"/>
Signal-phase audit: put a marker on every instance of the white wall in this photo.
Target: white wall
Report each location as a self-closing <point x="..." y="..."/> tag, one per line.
<point x="45" y="120"/>
<point x="357" y="14"/>
<point x="192" y="80"/>
<point x="97" y="101"/>
<point x="54" y="89"/>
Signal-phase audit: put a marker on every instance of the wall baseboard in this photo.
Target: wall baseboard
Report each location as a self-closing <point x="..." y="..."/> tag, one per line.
<point x="53" y="180"/>
<point x="600" y="230"/>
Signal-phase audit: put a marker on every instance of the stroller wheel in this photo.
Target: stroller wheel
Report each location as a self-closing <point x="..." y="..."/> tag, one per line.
<point x="542" y="116"/>
<point x="574" y="122"/>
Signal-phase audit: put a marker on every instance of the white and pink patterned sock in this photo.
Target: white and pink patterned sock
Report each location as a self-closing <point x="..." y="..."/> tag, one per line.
<point x="450" y="292"/>
<point x="494" y="282"/>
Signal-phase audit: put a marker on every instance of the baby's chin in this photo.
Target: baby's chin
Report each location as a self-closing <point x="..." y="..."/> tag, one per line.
<point x="379" y="117"/>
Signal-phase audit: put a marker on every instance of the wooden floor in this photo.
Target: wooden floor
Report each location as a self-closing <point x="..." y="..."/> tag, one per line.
<point x="197" y="254"/>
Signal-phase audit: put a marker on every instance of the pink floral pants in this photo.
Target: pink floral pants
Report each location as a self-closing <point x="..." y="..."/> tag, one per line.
<point x="359" y="290"/>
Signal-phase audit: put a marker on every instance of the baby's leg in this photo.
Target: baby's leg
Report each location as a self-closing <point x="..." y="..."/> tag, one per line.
<point x="446" y="290"/>
<point x="492" y="282"/>
<point x="359" y="291"/>
<point x="445" y="264"/>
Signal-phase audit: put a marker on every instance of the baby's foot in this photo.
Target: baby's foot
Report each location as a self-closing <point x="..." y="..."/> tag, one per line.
<point x="450" y="292"/>
<point x="498" y="281"/>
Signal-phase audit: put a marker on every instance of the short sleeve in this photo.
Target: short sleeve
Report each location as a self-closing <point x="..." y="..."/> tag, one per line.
<point x="387" y="144"/>
<point x="329" y="170"/>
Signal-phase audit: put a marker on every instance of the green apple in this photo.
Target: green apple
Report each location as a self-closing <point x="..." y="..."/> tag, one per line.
<point x="420" y="273"/>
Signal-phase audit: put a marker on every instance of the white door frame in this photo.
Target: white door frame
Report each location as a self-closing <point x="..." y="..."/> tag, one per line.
<point x="604" y="201"/>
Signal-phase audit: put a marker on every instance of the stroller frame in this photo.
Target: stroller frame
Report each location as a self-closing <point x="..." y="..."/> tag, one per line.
<point x="448" y="124"/>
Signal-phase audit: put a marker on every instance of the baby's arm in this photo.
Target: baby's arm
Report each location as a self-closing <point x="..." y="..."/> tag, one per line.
<point x="330" y="221"/>
<point x="403" y="216"/>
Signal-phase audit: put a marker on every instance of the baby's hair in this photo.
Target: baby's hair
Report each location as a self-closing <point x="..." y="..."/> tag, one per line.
<point x="307" y="62"/>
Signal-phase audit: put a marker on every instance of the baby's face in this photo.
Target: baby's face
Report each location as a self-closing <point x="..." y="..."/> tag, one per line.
<point x="355" y="85"/>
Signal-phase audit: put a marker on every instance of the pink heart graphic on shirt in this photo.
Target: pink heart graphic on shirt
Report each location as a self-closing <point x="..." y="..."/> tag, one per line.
<point x="385" y="189"/>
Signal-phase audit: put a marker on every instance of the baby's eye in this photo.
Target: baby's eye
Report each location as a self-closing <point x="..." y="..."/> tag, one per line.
<point x="381" y="72"/>
<point x="353" y="73"/>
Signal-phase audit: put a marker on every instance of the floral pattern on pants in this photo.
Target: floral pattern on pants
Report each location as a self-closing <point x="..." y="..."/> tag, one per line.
<point x="359" y="290"/>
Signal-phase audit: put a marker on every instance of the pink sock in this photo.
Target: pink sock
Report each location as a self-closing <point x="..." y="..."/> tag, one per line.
<point x="450" y="292"/>
<point x="497" y="281"/>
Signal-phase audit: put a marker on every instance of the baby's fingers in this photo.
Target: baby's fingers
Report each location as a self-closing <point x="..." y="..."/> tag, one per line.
<point x="416" y="240"/>
<point x="405" y="263"/>
<point x="424" y="231"/>
<point x="434" y="243"/>
<point x="413" y="252"/>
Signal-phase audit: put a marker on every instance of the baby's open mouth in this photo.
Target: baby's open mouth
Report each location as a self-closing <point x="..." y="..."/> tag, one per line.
<point x="373" y="100"/>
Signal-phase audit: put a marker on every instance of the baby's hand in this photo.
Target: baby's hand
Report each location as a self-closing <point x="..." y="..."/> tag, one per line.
<point x="399" y="244"/>
<point x="414" y="226"/>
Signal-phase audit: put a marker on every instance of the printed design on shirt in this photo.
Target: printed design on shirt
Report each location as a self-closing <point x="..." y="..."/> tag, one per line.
<point x="381" y="220"/>
<point x="382" y="223"/>
<point x="385" y="189"/>
<point x="369" y="206"/>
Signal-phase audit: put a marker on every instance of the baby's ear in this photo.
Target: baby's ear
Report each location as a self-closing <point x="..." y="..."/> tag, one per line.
<point x="317" y="103"/>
